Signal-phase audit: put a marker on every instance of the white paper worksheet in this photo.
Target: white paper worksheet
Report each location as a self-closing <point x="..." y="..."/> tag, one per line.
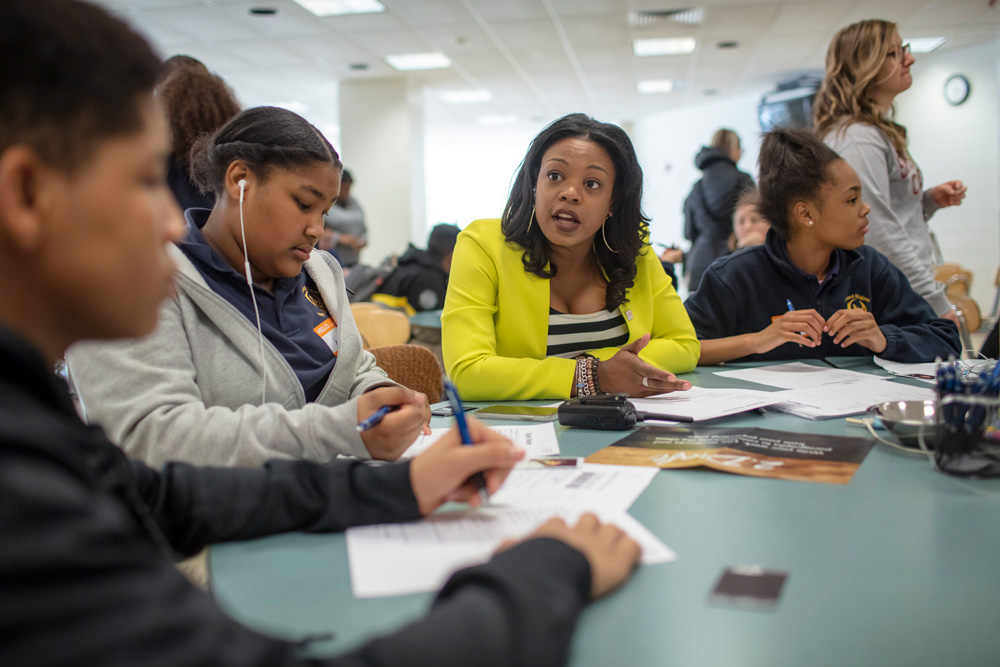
<point x="700" y="403"/>
<point x="840" y="400"/>
<point x="795" y="375"/>
<point x="591" y="485"/>
<point x="418" y="557"/>
<point x="535" y="439"/>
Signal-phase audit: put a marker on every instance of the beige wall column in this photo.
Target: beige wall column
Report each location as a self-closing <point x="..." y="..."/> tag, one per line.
<point x="382" y="144"/>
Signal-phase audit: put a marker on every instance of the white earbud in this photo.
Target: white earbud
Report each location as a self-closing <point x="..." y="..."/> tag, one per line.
<point x="253" y="298"/>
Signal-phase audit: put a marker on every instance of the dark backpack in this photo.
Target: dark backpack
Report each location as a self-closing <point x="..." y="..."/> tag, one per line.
<point x="362" y="281"/>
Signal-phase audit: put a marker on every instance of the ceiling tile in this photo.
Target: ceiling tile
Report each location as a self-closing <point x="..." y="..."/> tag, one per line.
<point x="509" y="10"/>
<point x="211" y="25"/>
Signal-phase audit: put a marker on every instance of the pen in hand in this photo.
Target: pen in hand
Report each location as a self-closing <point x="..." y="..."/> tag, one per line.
<point x="463" y="431"/>
<point x="791" y="308"/>
<point x="376" y="418"/>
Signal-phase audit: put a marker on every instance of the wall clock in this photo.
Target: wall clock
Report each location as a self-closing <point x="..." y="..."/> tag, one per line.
<point x="956" y="89"/>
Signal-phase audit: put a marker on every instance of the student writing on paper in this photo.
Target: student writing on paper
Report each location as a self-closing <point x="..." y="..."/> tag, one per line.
<point x="89" y="537"/>
<point x="813" y="289"/>
<point x="210" y="387"/>
<point x="563" y="296"/>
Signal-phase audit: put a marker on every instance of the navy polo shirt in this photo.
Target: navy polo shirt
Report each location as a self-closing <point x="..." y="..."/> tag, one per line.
<point x="294" y="318"/>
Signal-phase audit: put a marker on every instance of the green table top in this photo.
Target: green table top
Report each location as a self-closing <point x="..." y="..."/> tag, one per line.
<point x="899" y="567"/>
<point x="428" y="319"/>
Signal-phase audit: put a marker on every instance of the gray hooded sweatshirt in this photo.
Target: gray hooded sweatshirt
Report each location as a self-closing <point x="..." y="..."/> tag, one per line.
<point x="897" y="224"/>
<point x="191" y="390"/>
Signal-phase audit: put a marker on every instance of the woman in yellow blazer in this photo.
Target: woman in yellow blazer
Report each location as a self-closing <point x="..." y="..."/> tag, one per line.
<point x="563" y="296"/>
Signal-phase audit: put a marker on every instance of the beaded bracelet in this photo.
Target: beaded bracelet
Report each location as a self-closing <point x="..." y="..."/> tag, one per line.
<point x="586" y="377"/>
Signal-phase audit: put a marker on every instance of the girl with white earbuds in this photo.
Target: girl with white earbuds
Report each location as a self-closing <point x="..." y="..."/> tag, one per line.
<point x="257" y="355"/>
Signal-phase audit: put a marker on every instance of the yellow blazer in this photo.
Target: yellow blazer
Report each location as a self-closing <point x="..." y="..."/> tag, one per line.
<point x="496" y="319"/>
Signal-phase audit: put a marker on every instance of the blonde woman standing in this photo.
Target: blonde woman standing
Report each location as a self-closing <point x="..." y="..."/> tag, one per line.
<point x="867" y="66"/>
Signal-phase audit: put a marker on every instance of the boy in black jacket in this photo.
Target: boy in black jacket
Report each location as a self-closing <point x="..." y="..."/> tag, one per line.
<point x="87" y="537"/>
<point x="813" y="289"/>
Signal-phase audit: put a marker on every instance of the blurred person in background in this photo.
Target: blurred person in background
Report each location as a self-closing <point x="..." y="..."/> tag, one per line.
<point x="708" y="209"/>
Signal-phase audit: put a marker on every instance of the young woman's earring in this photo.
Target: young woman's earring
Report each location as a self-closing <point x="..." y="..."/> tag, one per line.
<point x="604" y="236"/>
<point x="809" y="223"/>
<point x="530" y="220"/>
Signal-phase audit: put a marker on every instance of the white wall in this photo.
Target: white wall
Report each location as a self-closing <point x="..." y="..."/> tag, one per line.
<point x="469" y="170"/>
<point x="667" y="144"/>
<point x="382" y="141"/>
<point x="962" y="143"/>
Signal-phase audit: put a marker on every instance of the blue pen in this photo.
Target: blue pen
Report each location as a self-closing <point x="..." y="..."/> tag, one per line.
<point x="791" y="308"/>
<point x="463" y="432"/>
<point x="376" y="418"/>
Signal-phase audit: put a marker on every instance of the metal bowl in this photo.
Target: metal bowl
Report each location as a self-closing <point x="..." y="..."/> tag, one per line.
<point x="905" y="419"/>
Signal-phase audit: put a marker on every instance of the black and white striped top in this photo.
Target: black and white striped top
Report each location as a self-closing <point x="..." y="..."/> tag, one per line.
<point x="572" y="335"/>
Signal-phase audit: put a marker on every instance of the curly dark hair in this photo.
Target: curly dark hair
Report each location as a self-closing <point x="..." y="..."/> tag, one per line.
<point x="264" y="138"/>
<point x="793" y="165"/>
<point x="196" y="102"/>
<point x="73" y="76"/>
<point x="627" y="230"/>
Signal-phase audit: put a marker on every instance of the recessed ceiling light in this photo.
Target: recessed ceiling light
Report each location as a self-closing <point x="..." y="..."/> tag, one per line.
<point x="926" y="44"/>
<point x="667" y="46"/>
<point x="413" y="61"/>
<point x="727" y="45"/>
<point x="493" y="121"/>
<point x="358" y="67"/>
<point x="466" y="96"/>
<point x="341" y="7"/>
<point x="263" y="11"/>
<point x="655" y="86"/>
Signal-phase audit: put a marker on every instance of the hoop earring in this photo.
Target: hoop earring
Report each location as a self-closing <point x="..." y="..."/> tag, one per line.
<point x="530" y="220"/>
<point x="604" y="236"/>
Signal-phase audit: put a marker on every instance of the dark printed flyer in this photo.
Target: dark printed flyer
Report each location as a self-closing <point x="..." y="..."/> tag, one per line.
<point x="756" y="452"/>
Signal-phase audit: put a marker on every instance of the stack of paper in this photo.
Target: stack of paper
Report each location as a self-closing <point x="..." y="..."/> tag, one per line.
<point x="796" y="375"/>
<point x="589" y="485"/>
<point x="840" y="400"/>
<point x="700" y="403"/>
<point x="418" y="557"/>
<point x="535" y="439"/>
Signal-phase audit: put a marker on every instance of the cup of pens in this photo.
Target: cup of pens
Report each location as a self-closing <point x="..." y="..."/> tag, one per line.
<point x="967" y="411"/>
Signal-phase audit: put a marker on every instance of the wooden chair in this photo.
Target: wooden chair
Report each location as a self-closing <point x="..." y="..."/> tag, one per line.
<point x="956" y="279"/>
<point x="381" y="327"/>
<point x="365" y="305"/>
<point x="412" y="366"/>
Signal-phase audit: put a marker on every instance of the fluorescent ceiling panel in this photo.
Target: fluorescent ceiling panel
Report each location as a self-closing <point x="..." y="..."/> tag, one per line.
<point x="925" y="44"/>
<point x="341" y="7"/>
<point x="466" y="96"/>
<point x="414" y="61"/>
<point x="667" y="46"/>
<point x="655" y="86"/>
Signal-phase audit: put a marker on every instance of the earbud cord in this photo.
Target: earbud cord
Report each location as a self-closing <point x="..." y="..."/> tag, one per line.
<point x="253" y="298"/>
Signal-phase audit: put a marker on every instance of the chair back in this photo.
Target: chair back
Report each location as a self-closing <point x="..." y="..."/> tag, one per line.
<point x="412" y="366"/>
<point x="380" y="327"/>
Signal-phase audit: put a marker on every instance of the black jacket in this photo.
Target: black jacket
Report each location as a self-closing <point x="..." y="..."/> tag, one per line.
<point x="708" y="211"/>
<point x="419" y="278"/>
<point x="87" y="540"/>
<point x="741" y="294"/>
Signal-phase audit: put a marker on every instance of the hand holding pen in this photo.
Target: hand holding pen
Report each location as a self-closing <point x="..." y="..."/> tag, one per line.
<point x="804" y="327"/>
<point x="390" y="419"/>
<point x="445" y="472"/>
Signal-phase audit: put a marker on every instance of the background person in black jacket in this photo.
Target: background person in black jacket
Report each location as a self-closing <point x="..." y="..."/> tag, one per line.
<point x="708" y="210"/>
<point x="813" y="289"/>
<point x="420" y="278"/>
<point x="87" y="537"/>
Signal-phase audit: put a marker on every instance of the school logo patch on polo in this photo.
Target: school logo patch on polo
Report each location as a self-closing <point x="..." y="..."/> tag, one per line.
<point x="858" y="302"/>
